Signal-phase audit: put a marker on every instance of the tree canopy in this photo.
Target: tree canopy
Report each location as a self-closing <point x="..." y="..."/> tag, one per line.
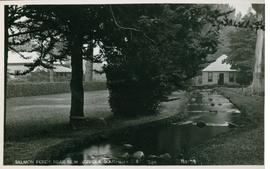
<point x="241" y="53"/>
<point x="149" y="49"/>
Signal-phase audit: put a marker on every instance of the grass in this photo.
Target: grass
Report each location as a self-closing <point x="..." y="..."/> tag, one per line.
<point x="242" y="146"/>
<point x="36" y="115"/>
<point x="35" y="124"/>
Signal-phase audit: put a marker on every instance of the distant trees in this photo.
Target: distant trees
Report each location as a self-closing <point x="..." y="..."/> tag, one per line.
<point x="241" y="46"/>
<point x="246" y="50"/>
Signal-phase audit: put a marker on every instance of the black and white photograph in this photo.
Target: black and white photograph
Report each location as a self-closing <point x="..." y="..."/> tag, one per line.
<point x="133" y="84"/>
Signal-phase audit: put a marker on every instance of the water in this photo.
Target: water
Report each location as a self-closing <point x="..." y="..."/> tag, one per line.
<point x="209" y="114"/>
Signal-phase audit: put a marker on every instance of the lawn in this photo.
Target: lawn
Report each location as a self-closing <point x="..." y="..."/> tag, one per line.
<point x="36" y="115"/>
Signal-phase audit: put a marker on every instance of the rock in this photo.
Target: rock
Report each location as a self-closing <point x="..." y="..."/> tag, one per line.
<point x="201" y="124"/>
<point x="165" y="156"/>
<point x="193" y="99"/>
<point x="97" y="122"/>
<point x="183" y="161"/>
<point x="125" y="155"/>
<point x="214" y="111"/>
<point x="128" y="146"/>
<point x="219" y="104"/>
<point x="151" y="162"/>
<point x="212" y="104"/>
<point x="232" y="125"/>
<point x="102" y="121"/>
<point x="90" y="157"/>
<point x="152" y="156"/>
<point x="210" y="99"/>
<point x="235" y="111"/>
<point x="138" y="154"/>
<point x="192" y="161"/>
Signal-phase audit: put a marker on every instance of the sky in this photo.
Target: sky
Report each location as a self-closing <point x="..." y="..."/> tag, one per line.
<point x="241" y="7"/>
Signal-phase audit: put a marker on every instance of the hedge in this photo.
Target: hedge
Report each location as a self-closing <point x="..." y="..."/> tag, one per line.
<point x="45" y="88"/>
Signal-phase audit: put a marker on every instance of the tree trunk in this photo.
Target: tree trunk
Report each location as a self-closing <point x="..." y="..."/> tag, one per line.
<point x="51" y="75"/>
<point x="76" y="84"/>
<point x="88" y="71"/>
<point x="257" y="86"/>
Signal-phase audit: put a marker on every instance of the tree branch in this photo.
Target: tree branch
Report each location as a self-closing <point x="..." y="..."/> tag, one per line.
<point x="23" y="33"/>
<point x="18" y="52"/>
<point x="128" y="28"/>
<point x="118" y="25"/>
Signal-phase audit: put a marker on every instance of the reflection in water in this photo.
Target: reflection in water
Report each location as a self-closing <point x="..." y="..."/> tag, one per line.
<point x="207" y="107"/>
<point x="97" y="151"/>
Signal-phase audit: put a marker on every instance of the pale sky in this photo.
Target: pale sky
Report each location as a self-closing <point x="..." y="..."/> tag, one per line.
<point x="241" y="7"/>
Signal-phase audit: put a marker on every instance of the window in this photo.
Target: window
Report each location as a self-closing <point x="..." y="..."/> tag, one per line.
<point x="231" y="77"/>
<point x="210" y="77"/>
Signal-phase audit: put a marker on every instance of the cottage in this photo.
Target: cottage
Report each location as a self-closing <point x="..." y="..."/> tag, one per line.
<point x="61" y="72"/>
<point x="219" y="73"/>
<point x="17" y="64"/>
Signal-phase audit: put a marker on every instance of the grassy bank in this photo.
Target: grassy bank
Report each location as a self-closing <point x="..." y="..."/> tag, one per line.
<point x="245" y="144"/>
<point x="55" y="137"/>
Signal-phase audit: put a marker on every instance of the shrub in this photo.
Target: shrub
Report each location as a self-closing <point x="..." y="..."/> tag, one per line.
<point x="135" y="90"/>
<point x="44" y="88"/>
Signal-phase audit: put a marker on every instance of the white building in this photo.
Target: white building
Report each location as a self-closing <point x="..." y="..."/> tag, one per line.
<point x="219" y="73"/>
<point x="61" y="72"/>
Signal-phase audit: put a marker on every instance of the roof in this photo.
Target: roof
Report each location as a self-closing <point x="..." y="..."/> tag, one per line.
<point x="30" y="57"/>
<point x="14" y="57"/>
<point x="17" y="62"/>
<point x="60" y="68"/>
<point x="219" y="65"/>
<point x="57" y="68"/>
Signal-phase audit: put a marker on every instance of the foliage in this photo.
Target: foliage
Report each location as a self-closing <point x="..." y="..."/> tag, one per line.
<point x="242" y="43"/>
<point x="155" y="52"/>
<point x="57" y="32"/>
<point x="150" y="49"/>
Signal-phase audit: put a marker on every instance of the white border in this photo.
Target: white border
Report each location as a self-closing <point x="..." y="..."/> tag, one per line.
<point x="127" y="1"/>
<point x="22" y="2"/>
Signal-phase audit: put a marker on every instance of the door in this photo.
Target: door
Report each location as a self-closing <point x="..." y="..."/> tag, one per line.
<point x="221" y="79"/>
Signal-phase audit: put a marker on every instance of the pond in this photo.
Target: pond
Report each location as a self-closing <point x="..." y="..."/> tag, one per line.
<point x="208" y="114"/>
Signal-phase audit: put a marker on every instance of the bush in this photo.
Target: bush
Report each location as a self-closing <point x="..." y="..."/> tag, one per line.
<point x="133" y="98"/>
<point x="44" y="88"/>
<point x="244" y="77"/>
<point x="135" y="90"/>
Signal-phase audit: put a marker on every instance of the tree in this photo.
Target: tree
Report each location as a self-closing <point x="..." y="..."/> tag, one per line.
<point x="155" y="52"/>
<point x="258" y="83"/>
<point x="241" y="50"/>
<point x="148" y="55"/>
<point x="242" y="42"/>
<point x="48" y="26"/>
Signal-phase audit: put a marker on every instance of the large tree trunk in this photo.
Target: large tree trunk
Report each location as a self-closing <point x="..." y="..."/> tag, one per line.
<point x="257" y="85"/>
<point x="76" y="84"/>
<point x="258" y="82"/>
